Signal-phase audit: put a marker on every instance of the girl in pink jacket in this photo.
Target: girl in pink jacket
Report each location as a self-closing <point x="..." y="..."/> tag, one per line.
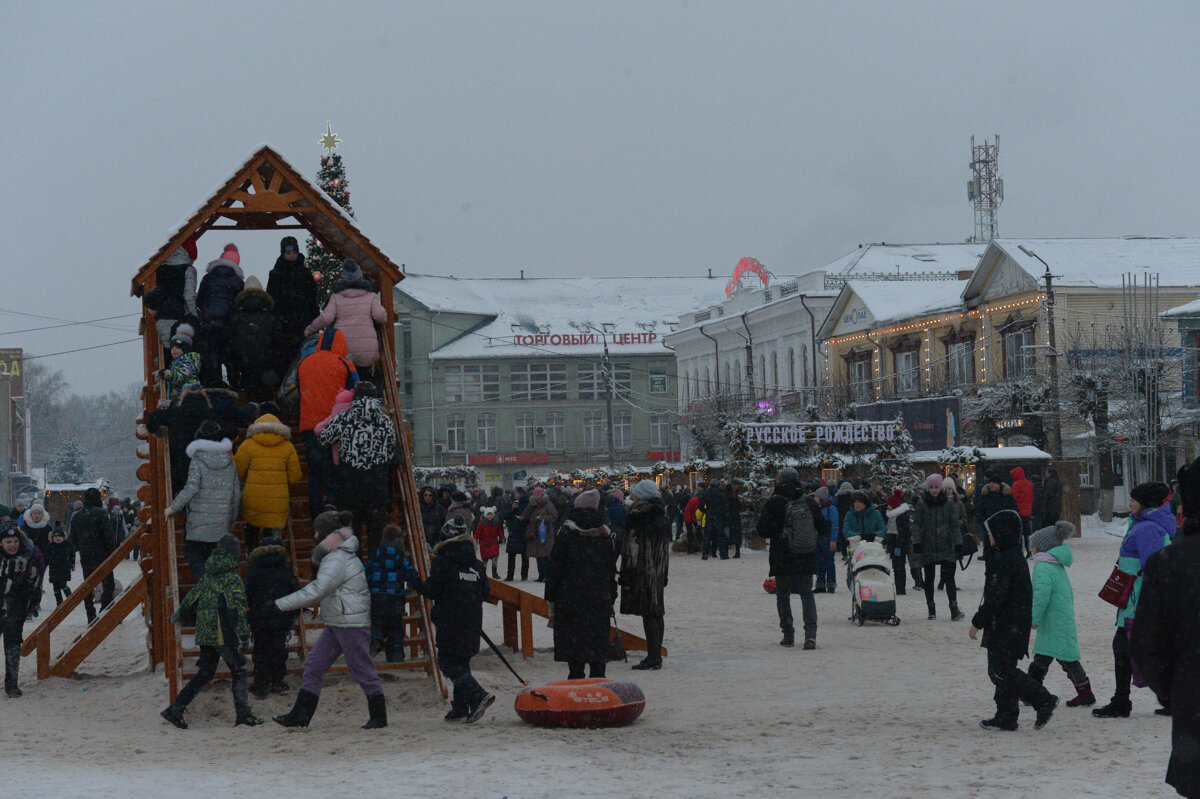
<point x="354" y="309"/>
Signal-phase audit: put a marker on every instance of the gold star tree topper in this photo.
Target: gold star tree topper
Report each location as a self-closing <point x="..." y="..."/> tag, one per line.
<point x="329" y="141"/>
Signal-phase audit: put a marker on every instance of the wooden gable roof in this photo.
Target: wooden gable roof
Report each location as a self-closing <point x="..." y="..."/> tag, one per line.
<point x="267" y="193"/>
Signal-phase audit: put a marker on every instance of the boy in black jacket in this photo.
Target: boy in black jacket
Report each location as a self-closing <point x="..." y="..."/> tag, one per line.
<point x="60" y="558"/>
<point x="1005" y="616"/>
<point x="458" y="586"/>
<point x="268" y="579"/>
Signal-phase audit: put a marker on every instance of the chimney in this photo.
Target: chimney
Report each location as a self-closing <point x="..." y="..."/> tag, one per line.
<point x="965" y="274"/>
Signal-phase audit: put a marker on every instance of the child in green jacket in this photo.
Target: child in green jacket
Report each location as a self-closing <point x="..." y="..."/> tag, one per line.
<point x="218" y="604"/>
<point x="1054" y="611"/>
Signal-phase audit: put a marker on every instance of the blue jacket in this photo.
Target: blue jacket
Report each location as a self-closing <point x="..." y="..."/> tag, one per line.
<point x="614" y="511"/>
<point x="830" y="512"/>
<point x="389" y="570"/>
<point x="1149" y="531"/>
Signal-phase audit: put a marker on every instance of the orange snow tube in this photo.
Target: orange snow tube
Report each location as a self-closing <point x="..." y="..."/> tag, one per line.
<point x="600" y="702"/>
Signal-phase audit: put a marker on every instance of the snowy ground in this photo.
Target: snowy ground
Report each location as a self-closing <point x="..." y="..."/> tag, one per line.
<point x="876" y="711"/>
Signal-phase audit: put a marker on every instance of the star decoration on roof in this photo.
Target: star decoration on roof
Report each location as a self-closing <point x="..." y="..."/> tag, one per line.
<point x="329" y="141"/>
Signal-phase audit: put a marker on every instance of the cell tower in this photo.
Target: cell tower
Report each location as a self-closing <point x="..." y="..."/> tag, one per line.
<point x="985" y="189"/>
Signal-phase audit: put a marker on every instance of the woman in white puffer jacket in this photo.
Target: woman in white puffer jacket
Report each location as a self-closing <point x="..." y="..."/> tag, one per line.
<point x="341" y="588"/>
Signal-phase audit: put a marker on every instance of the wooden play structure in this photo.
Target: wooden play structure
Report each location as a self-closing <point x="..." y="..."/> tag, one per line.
<point x="265" y="193"/>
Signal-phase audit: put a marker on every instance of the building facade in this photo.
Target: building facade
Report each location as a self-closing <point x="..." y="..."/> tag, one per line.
<point x="510" y="375"/>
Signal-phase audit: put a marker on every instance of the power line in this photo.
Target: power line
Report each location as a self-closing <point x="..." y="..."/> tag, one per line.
<point x="71" y="324"/>
<point x="81" y="349"/>
<point x="59" y="319"/>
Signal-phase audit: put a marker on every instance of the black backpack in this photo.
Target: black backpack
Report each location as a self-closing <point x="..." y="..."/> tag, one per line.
<point x="799" y="527"/>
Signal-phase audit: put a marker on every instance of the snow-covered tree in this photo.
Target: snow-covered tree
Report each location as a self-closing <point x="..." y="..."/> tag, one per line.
<point x="70" y="464"/>
<point x="325" y="266"/>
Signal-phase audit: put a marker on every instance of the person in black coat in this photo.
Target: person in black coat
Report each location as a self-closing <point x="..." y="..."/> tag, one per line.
<point x="60" y="559"/>
<point x="994" y="496"/>
<point x="92" y="536"/>
<point x="20" y="596"/>
<point x="255" y="340"/>
<point x="1005" y="616"/>
<point x="1166" y="635"/>
<point x="294" y="293"/>
<point x="458" y="586"/>
<point x="1051" y="497"/>
<point x="433" y="515"/>
<point x="222" y="283"/>
<point x="734" y="503"/>
<point x="182" y="418"/>
<point x="793" y="572"/>
<point x="514" y="540"/>
<point x="269" y="578"/>
<point x="716" y="522"/>
<point x="581" y="588"/>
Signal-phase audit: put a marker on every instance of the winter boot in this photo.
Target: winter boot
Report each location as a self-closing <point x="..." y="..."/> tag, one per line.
<point x="1162" y="711"/>
<point x="955" y="613"/>
<point x="302" y="712"/>
<point x="377" y="707"/>
<point x="1045" y="712"/>
<point x="1117" y="708"/>
<point x="457" y="713"/>
<point x="259" y="689"/>
<point x="495" y="571"/>
<point x="1084" y="696"/>
<point x="476" y="711"/>
<point x="789" y="639"/>
<point x="810" y="643"/>
<point x="174" y="714"/>
<point x="997" y="723"/>
<point x="245" y="716"/>
<point x="932" y="612"/>
<point x="395" y="654"/>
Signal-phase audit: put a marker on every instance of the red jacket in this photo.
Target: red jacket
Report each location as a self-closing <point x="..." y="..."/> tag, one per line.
<point x="321" y="376"/>
<point x="1022" y="491"/>
<point x="489" y="537"/>
<point x="689" y="510"/>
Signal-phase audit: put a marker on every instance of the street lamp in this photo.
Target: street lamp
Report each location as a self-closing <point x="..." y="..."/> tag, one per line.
<point x="604" y="330"/>
<point x="1055" y="437"/>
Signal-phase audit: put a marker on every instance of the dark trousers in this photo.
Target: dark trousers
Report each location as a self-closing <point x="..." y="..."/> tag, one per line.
<point x="270" y="657"/>
<point x="387" y="625"/>
<point x="13" y="634"/>
<point x="318" y="473"/>
<point x="898" y="573"/>
<point x="949" y="567"/>
<point x="715" y="538"/>
<point x="61" y="592"/>
<point x="206" y="669"/>
<point x="576" y="667"/>
<point x="107" y="588"/>
<point x="1013" y="685"/>
<point x="467" y="690"/>
<point x="369" y="521"/>
<point x="253" y="535"/>
<point x="1026" y="531"/>
<point x="826" y="565"/>
<point x="543" y="565"/>
<point x="196" y="554"/>
<point x="655" y="628"/>
<point x="693" y="537"/>
<point x="1122" y="664"/>
<point x="213" y="344"/>
<point x="512" y="565"/>
<point x="680" y="526"/>
<point x="802" y="584"/>
<point x="1073" y="668"/>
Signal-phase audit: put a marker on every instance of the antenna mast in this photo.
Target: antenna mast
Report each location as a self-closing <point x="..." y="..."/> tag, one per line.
<point x="985" y="189"/>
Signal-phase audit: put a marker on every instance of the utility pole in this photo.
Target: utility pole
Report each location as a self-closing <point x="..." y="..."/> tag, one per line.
<point x="608" y="392"/>
<point x="1054" y="434"/>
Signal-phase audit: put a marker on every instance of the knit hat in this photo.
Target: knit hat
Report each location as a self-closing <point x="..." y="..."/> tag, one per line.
<point x="93" y="497"/>
<point x="252" y="284"/>
<point x="822" y="494"/>
<point x="1150" y="495"/>
<point x="231" y="545"/>
<point x="208" y="430"/>
<point x="459" y="496"/>
<point x="895" y="499"/>
<point x="351" y="270"/>
<point x="365" y="388"/>
<point x="646" y="489"/>
<point x="788" y="475"/>
<point x="113" y="502"/>
<point x="617" y="494"/>
<point x="230" y="253"/>
<point x="861" y="496"/>
<point x="538" y="491"/>
<point x="994" y="476"/>
<point x="288" y="243"/>
<point x="454" y="527"/>
<point x="8" y="529"/>
<point x="183" y="337"/>
<point x="845" y="488"/>
<point x="948" y="485"/>
<point x="588" y="499"/>
<point x="330" y="520"/>
<point x="1048" y="538"/>
<point x="189" y="246"/>
<point x="933" y="481"/>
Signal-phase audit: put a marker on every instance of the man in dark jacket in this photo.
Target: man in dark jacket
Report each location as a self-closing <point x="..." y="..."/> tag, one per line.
<point x="994" y="496"/>
<point x="222" y="283"/>
<point x="294" y="295"/>
<point x="1004" y="617"/>
<point x="793" y="572"/>
<point x="20" y="596"/>
<point x="458" y="586"/>
<point x="1051" y="497"/>
<point x="716" y="520"/>
<point x="183" y="418"/>
<point x="92" y="536"/>
<point x="433" y="515"/>
<point x="1166" y="634"/>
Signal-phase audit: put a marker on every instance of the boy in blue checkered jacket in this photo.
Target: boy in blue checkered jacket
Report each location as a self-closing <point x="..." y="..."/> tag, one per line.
<point x="388" y="572"/>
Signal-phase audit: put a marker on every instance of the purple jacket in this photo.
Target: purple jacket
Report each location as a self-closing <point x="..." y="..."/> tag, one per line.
<point x="1145" y="537"/>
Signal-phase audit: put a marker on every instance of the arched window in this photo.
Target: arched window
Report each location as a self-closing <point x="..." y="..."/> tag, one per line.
<point x="804" y="364"/>
<point x="775" y="371"/>
<point x="728" y="370"/>
<point x="791" y="368"/>
<point x="762" y="375"/>
<point x="741" y="376"/>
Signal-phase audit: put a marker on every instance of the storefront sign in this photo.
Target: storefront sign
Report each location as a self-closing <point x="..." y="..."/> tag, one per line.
<point x="658" y="384"/>
<point x="1009" y="424"/>
<point x="932" y="423"/>
<point x="821" y="433"/>
<point x="658" y="455"/>
<point x="747" y="266"/>
<point x="582" y="339"/>
<point x="501" y="460"/>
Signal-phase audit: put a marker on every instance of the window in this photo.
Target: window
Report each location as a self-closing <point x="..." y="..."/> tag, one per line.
<point x="762" y="375"/>
<point x="960" y="363"/>
<point x="591" y="381"/>
<point x="622" y="378"/>
<point x="728" y="371"/>
<point x="485" y="432"/>
<point x="858" y="375"/>
<point x="738" y="375"/>
<point x="594" y="435"/>
<point x="658" y="379"/>
<point x="775" y="371"/>
<point x="538" y="381"/>
<point x="907" y="376"/>
<point x="456" y="433"/>
<point x="1018" y="359"/>
<point x="524" y="428"/>
<point x="472" y="383"/>
<point x="660" y="431"/>
<point x="791" y="368"/>
<point x="707" y="382"/>
<point x="803" y="365"/>
<point x="623" y="430"/>
<point x="556" y="431"/>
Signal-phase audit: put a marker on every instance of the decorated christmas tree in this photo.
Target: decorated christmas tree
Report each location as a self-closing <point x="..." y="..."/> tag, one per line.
<point x="70" y="464"/>
<point x="325" y="265"/>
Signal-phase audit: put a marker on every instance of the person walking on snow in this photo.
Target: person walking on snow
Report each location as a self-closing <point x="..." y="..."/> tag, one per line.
<point x="790" y="516"/>
<point x="827" y="546"/>
<point x="1054" y="611"/>
<point x="211" y="496"/>
<point x="20" y="597"/>
<point x="92" y="536"/>
<point x="936" y="537"/>
<point x="645" y="561"/>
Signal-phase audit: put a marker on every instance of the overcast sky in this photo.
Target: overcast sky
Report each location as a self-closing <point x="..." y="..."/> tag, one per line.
<point x="566" y="137"/>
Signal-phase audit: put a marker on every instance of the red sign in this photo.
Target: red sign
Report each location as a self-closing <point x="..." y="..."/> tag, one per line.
<point x="747" y="266"/>
<point x="502" y="460"/>
<point x="581" y="339"/>
<point x="662" y="456"/>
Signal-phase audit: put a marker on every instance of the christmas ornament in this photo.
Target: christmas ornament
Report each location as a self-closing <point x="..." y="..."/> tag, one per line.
<point x="329" y="141"/>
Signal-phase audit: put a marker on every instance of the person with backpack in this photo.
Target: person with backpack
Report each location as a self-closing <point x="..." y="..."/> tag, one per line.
<point x="792" y="521"/>
<point x="222" y="283"/>
<point x="254" y="340"/>
<point x="321" y="376"/>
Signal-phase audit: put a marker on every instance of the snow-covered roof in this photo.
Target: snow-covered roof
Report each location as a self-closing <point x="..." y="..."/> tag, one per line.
<point x="539" y="317"/>
<point x="1026" y="453"/>
<point x="907" y="259"/>
<point x="1095" y="262"/>
<point x="870" y="304"/>
<point x="1187" y="309"/>
<point x="100" y="484"/>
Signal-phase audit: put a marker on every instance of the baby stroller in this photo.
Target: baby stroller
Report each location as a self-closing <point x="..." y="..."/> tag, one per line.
<point x="872" y="590"/>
